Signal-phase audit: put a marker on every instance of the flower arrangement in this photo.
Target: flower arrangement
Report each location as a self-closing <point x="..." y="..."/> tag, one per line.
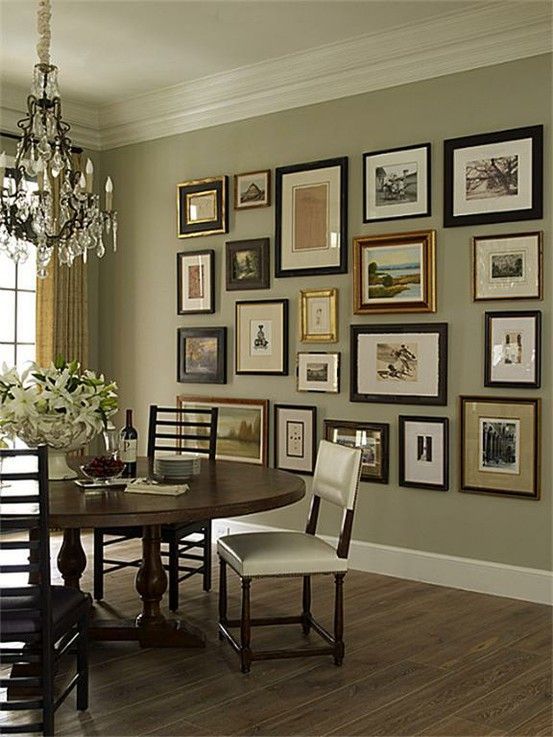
<point x="59" y="406"/>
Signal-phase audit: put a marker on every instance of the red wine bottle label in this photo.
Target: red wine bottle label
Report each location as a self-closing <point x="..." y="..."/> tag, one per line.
<point x="127" y="450"/>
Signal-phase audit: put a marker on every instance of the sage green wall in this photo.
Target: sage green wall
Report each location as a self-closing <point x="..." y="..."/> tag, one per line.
<point x="138" y="320"/>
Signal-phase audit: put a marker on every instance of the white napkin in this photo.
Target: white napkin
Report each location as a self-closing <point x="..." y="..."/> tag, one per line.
<point x="145" y="486"/>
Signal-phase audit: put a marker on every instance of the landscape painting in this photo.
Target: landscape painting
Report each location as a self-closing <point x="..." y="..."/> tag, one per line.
<point x="245" y="265"/>
<point x="201" y="355"/>
<point x="393" y="273"/>
<point x="507" y="266"/>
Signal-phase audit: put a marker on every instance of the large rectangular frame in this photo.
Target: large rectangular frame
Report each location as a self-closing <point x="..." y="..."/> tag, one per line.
<point x="444" y="423"/>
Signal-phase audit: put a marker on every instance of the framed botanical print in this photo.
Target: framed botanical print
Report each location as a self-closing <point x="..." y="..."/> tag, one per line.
<point x="202" y="355"/>
<point x="252" y="189"/>
<point x="318" y="372"/>
<point x="500" y="446"/>
<point x="371" y="437"/>
<point x="311" y="218"/>
<point x="494" y="177"/>
<point x="261" y="330"/>
<point x="247" y="264"/>
<point x="513" y="349"/>
<point x="202" y="207"/>
<point x="507" y="266"/>
<point x="295" y="438"/>
<point x="397" y="183"/>
<point x="424" y="452"/>
<point x="242" y="428"/>
<point x="394" y="273"/>
<point x="401" y="364"/>
<point x="195" y="282"/>
<point x="319" y="315"/>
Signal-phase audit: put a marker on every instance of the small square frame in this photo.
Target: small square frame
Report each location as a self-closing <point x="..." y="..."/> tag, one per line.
<point x="330" y="385"/>
<point x="187" y="375"/>
<point x="258" y="197"/>
<point x="212" y="188"/>
<point x="262" y="279"/>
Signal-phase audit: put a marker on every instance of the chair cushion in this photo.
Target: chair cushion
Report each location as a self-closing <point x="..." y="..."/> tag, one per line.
<point x="19" y="613"/>
<point x="279" y="554"/>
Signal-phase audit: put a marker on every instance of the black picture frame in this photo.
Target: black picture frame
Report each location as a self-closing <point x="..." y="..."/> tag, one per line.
<point x="404" y="420"/>
<point x="312" y="454"/>
<point x="341" y="163"/>
<point x="381" y="427"/>
<point x="218" y="374"/>
<point x="489" y="317"/>
<point x="533" y="212"/>
<point x="241" y="340"/>
<point x="440" y="396"/>
<point x="261" y="247"/>
<point x="217" y="187"/>
<point x="182" y="257"/>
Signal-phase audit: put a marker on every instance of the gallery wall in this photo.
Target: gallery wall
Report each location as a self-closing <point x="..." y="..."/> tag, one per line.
<point x="138" y="318"/>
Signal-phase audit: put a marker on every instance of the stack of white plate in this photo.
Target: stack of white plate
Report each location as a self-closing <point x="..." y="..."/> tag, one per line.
<point x="179" y="466"/>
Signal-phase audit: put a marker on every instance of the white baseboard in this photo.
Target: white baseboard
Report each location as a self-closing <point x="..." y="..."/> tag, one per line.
<point x="484" y="576"/>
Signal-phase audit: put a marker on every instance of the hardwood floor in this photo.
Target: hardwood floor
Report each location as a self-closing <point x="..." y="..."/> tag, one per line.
<point x="420" y="660"/>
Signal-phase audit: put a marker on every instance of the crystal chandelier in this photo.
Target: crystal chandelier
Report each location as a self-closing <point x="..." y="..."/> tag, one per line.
<point x="61" y="211"/>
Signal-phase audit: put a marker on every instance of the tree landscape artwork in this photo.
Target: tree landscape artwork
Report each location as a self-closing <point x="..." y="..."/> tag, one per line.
<point x="393" y="273"/>
<point x="201" y="355"/>
<point x="493" y="177"/>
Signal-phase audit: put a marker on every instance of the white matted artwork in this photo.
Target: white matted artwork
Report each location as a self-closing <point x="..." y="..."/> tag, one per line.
<point x="195" y="282"/>
<point x="507" y="266"/>
<point x="261" y="336"/>
<point x="295" y="438"/>
<point x="423" y="452"/>
<point x="513" y="349"/>
<point x="318" y="372"/>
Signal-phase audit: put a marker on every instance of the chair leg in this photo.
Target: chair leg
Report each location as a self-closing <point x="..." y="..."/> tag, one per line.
<point x="82" y="664"/>
<point x="245" y="627"/>
<point x="207" y="557"/>
<point x="339" y="620"/>
<point x="222" y="594"/>
<point x="173" y="574"/>
<point x="306" y="613"/>
<point x="98" y="564"/>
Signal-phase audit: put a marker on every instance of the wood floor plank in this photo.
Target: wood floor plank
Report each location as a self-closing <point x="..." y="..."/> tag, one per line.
<point x="540" y="725"/>
<point x="456" y="727"/>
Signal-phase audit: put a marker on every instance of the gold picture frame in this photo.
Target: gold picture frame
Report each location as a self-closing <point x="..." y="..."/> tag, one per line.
<point x="318" y="315"/>
<point x="202" y="207"/>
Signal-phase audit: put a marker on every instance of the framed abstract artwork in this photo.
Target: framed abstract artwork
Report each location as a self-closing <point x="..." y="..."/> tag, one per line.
<point x="295" y="438"/>
<point x="247" y="264"/>
<point x="311" y="218"/>
<point x="318" y="372"/>
<point x="202" y="355"/>
<point x="202" y="207"/>
<point x="195" y="282"/>
<point x="424" y="452"/>
<point x="401" y="364"/>
<point x="397" y="183"/>
<point x="252" y="189"/>
<point x="319" y="315"/>
<point x="394" y="273"/>
<point x="513" y="349"/>
<point x="494" y="177"/>
<point x="261" y="332"/>
<point x="507" y="266"/>
<point x="371" y="437"/>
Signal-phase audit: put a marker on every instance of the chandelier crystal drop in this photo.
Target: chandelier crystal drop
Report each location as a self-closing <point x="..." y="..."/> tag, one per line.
<point x="46" y="202"/>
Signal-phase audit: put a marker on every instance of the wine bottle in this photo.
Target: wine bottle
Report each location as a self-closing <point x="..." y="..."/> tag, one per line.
<point x="127" y="446"/>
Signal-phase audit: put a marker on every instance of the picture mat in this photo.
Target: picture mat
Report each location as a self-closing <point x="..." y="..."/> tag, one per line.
<point x="330" y="361"/>
<point x="488" y="287"/>
<point x="525" y="370"/>
<point x="311" y="217"/>
<point x="392" y="255"/>
<point x="263" y="313"/>
<point x="199" y="303"/>
<point x="401" y="209"/>
<point x="294" y="463"/>
<point x="424" y="472"/>
<point x="201" y="206"/>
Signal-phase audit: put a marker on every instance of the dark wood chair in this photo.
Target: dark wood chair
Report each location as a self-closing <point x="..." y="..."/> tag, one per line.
<point x="39" y="622"/>
<point x="298" y="554"/>
<point x="171" y="430"/>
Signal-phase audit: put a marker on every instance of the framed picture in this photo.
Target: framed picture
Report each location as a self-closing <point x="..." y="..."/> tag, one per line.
<point x="319" y="315"/>
<point x="261" y="330"/>
<point x="247" y="264"/>
<point x="507" y="266"/>
<point x="295" y="438"/>
<point x="318" y="372"/>
<point x="500" y="446"/>
<point x="202" y="207"/>
<point x="202" y="355"/>
<point x="494" y="177"/>
<point x="397" y="183"/>
<point x="394" y="273"/>
<point x="195" y="282"/>
<point x="242" y="429"/>
<point x="371" y="437"/>
<point x="252" y="189"/>
<point x="403" y="364"/>
<point x="513" y="349"/>
<point x="424" y="452"/>
<point x="311" y="218"/>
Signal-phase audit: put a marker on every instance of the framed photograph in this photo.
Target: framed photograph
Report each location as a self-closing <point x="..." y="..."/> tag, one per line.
<point x="195" y="282"/>
<point x="311" y="218"/>
<point x="202" y="355"/>
<point x="319" y="315"/>
<point x="252" y="189"/>
<point x="247" y="264"/>
<point x="424" y="452"/>
<point x="507" y="266"/>
<point x="500" y="446"/>
<point x="397" y="183"/>
<point x="394" y="273"/>
<point x="261" y="330"/>
<point x="513" y="349"/>
<point x="371" y="437"/>
<point x="402" y="364"/>
<point x="202" y="207"/>
<point x="242" y="428"/>
<point x="494" y="177"/>
<point x="318" y="372"/>
<point x="295" y="438"/>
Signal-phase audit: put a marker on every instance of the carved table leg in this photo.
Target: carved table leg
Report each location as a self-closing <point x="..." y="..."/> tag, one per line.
<point x="71" y="557"/>
<point x="151" y="579"/>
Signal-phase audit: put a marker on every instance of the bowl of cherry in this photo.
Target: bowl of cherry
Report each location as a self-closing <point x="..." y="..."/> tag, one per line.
<point x="103" y="469"/>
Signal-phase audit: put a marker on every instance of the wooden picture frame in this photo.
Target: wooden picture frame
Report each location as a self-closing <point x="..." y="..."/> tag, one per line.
<point x="507" y="266"/>
<point x="374" y="440"/>
<point x="311" y="218"/>
<point x="247" y="264"/>
<point x="494" y="177"/>
<point x="424" y="452"/>
<point x="513" y="349"/>
<point x="500" y="446"/>
<point x="202" y="207"/>
<point x="202" y="355"/>
<point x="318" y="371"/>
<point x="261" y="333"/>
<point x="394" y="273"/>
<point x="252" y="189"/>
<point x="318" y="315"/>
<point x="295" y="438"/>
<point x="195" y="282"/>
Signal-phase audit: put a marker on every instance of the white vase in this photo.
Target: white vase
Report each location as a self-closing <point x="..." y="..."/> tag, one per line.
<point x="57" y="466"/>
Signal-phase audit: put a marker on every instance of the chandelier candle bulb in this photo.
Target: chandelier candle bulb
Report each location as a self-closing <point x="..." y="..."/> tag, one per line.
<point x="89" y="175"/>
<point x="109" y="194"/>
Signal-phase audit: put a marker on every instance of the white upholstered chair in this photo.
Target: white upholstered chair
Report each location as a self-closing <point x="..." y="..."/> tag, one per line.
<point x="265" y="554"/>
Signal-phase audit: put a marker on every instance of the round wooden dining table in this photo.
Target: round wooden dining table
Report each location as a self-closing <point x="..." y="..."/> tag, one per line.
<point x="222" y="489"/>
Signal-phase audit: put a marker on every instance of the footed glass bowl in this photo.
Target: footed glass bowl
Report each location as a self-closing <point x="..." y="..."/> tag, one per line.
<point x="103" y="469"/>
